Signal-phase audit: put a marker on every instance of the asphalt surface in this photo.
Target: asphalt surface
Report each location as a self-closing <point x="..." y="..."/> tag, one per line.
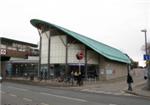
<point x="19" y="94"/>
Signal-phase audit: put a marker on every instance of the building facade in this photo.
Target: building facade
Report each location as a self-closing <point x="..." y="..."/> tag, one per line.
<point x="59" y="48"/>
<point x="17" y="57"/>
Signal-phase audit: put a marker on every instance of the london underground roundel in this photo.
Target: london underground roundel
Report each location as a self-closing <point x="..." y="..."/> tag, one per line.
<point x="79" y="55"/>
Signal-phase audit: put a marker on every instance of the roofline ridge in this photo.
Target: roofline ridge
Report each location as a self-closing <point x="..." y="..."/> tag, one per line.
<point x="82" y="38"/>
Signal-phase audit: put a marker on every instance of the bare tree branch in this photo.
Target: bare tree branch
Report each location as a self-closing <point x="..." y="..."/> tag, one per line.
<point x="148" y="47"/>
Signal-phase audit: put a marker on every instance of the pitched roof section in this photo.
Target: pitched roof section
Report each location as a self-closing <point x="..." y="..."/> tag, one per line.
<point x="8" y="40"/>
<point x="103" y="49"/>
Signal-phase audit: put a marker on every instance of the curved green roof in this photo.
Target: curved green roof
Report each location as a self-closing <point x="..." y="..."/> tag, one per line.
<point x="103" y="49"/>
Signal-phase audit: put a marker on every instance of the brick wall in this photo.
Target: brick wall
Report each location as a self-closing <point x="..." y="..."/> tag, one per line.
<point x="111" y="69"/>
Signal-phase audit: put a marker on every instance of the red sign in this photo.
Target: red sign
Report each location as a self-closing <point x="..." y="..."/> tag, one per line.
<point x="2" y="51"/>
<point x="79" y="55"/>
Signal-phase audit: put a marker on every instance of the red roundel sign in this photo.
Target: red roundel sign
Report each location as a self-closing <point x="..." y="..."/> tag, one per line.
<point x="2" y="51"/>
<point x="79" y="55"/>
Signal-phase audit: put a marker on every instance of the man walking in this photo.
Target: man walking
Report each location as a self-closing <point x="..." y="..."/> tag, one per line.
<point x="129" y="81"/>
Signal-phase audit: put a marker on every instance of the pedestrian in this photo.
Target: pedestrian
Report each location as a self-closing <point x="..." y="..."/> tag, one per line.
<point x="145" y="74"/>
<point x="76" y="77"/>
<point x="80" y="79"/>
<point x="72" y="78"/>
<point x="129" y="81"/>
<point x="41" y="75"/>
<point x="6" y="72"/>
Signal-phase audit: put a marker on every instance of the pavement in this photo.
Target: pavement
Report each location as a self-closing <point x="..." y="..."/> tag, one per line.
<point x="114" y="87"/>
<point x="119" y="86"/>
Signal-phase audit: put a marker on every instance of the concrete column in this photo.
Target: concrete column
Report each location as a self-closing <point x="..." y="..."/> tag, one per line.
<point x="86" y="76"/>
<point x="39" y="65"/>
<point x="66" y="66"/>
<point x="49" y="50"/>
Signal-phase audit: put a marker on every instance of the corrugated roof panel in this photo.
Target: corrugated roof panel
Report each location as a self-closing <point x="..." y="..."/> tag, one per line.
<point x="103" y="49"/>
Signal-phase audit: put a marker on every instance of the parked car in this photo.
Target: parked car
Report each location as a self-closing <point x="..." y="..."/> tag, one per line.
<point x="1" y="79"/>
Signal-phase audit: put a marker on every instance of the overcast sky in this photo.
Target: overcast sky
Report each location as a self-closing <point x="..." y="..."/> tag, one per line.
<point x="114" y="22"/>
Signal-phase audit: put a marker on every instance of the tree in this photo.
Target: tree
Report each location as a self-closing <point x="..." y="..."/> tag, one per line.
<point x="134" y="64"/>
<point x="148" y="47"/>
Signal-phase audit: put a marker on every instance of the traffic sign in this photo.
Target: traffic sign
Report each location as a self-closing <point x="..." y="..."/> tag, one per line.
<point x="2" y="51"/>
<point x="146" y="57"/>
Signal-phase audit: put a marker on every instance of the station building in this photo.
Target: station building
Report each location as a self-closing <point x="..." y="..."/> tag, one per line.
<point x="59" y="48"/>
<point x="17" y="57"/>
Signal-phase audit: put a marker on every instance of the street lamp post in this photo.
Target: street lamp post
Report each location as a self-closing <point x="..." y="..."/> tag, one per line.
<point x="145" y="31"/>
<point x="147" y="64"/>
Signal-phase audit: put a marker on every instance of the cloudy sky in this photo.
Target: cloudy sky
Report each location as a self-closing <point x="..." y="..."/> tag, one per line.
<point x="113" y="22"/>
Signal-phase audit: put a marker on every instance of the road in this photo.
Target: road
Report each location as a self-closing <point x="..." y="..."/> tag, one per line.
<point x="20" y="94"/>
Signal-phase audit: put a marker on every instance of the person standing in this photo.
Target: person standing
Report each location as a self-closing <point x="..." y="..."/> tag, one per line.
<point x="78" y="77"/>
<point x="129" y="81"/>
<point x="145" y="74"/>
<point x="72" y="78"/>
